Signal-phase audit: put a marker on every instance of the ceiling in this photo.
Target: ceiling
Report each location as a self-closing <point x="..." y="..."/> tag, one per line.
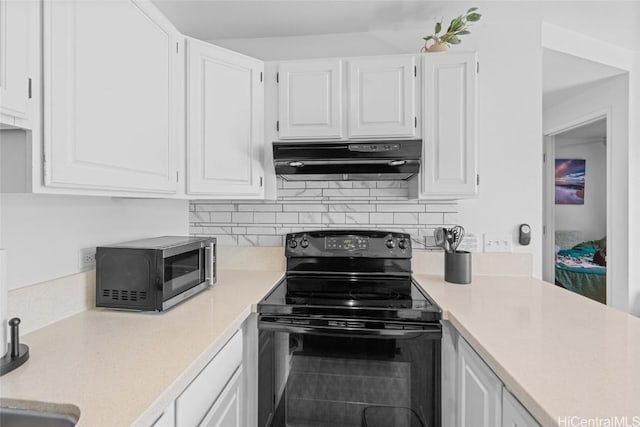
<point x="592" y="132"/>
<point x="565" y="75"/>
<point x="613" y="21"/>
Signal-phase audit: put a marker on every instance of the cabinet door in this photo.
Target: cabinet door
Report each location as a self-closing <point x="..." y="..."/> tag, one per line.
<point x="225" y="125"/>
<point x="16" y="30"/>
<point x="449" y="375"/>
<point x="168" y="417"/>
<point x="449" y="126"/>
<point x="227" y="410"/>
<point x="196" y="401"/>
<point x="382" y="97"/>
<point x="514" y="414"/>
<point x="479" y="390"/>
<point x="110" y="119"/>
<point x="310" y="100"/>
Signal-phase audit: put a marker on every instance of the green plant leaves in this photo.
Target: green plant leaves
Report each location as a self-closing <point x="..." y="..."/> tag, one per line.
<point x="453" y="40"/>
<point x="463" y="32"/>
<point x="438" y="27"/>
<point x="427" y="38"/>
<point x="473" y="17"/>
<point x="472" y="9"/>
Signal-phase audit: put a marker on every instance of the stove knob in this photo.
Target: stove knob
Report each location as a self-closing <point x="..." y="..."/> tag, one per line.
<point x="293" y="244"/>
<point x="304" y="243"/>
<point x="402" y="244"/>
<point x="391" y="244"/>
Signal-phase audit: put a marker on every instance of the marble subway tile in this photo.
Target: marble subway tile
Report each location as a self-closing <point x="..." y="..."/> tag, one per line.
<point x="346" y="192"/>
<point x="293" y="184"/>
<point x="333" y="218"/>
<point x="299" y="207"/>
<point x="431" y="218"/>
<point x="209" y="207"/>
<point x="242" y="217"/>
<point x="217" y="217"/>
<point x="340" y="184"/>
<point x="310" y="217"/>
<point x="381" y="218"/>
<point x="397" y="207"/>
<point x="287" y="217"/>
<point x="264" y="217"/>
<point x="390" y="192"/>
<point x="270" y="240"/>
<point x="352" y="207"/>
<point x="357" y="218"/>
<point x="405" y="218"/>
<point x="260" y="207"/>
<point x="300" y="192"/>
<point x="199" y="217"/>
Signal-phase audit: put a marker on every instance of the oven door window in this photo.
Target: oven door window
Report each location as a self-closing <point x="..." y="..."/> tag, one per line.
<point x="182" y="272"/>
<point x="341" y="380"/>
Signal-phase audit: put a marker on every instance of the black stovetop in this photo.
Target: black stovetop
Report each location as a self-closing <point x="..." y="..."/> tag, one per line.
<point x="349" y="274"/>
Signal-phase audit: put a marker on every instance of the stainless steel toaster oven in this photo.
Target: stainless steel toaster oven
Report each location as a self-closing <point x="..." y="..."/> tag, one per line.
<point x="154" y="274"/>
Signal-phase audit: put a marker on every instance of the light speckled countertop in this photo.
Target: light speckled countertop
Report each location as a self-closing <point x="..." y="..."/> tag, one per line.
<point x="559" y="353"/>
<point x="121" y="368"/>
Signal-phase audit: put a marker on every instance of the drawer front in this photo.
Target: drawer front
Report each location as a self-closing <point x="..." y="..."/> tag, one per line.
<point x="194" y="403"/>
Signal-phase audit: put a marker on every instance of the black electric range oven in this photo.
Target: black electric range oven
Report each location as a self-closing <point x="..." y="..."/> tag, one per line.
<point x="347" y="338"/>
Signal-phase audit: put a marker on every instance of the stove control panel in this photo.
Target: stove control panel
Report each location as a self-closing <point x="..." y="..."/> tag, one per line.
<point x="352" y="243"/>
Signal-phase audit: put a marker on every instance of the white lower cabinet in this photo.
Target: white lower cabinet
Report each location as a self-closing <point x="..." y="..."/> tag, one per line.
<point x="227" y="411"/>
<point x="479" y="392"/>
<point x="472" y="395"/>
<point x="514" y="414"/>
<point x="168" y="417"/>
<point x="213" y="397"/>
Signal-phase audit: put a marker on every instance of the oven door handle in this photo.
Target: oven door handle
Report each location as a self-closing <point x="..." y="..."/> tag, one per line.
<point x="434" y="332"/>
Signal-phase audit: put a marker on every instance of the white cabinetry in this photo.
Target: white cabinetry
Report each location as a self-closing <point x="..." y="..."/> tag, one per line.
<point x="449" y="168"/>
<point x="472" y="395"/>
<point x="224" y="123"/>
<point x="200" y="400"/>
<point x="382" y="93"/>
<point x="17" y="34"/>
<point x="479" y="390"/>
<point x="310" y="100"/>
<point x="227" y="411"/>
<point x="110" y="96"/>
<point x="513" y="413"/>
<point x="168" y="417"/>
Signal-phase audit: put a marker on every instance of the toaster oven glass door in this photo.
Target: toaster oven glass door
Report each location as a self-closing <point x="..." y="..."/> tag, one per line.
<point x="183" y="271"/>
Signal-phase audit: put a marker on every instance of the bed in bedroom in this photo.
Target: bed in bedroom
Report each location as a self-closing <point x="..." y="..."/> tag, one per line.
<point x="577" y="271"/>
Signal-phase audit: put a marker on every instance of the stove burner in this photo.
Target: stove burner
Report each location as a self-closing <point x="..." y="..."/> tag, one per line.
<point x="378" y="293"/>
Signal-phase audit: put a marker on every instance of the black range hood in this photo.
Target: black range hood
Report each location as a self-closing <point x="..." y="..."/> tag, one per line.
<point x="347" y="160"/>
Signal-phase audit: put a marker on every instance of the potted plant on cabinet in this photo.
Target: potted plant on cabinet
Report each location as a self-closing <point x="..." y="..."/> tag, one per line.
<point x="458" y="27"/>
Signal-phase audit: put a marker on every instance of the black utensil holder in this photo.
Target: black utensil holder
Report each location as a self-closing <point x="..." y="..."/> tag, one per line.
<point x="457" y="267"/>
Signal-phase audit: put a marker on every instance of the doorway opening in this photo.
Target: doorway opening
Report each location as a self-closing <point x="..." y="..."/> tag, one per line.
<point x="575" y="207"/>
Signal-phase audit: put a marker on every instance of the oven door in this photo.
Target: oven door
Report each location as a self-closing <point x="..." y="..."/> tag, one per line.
<point x="341" y="372"/>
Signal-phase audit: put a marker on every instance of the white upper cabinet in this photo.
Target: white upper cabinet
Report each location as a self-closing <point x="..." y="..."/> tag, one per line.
<point x="449" y="166"/>
<point x="479" y="390"/>
<point x="110" y="96"/>
<point x="16" y="48"/>
<point x="382" y="93"/>
<point x="310" y="100"/>
<point x="225" y="125"/>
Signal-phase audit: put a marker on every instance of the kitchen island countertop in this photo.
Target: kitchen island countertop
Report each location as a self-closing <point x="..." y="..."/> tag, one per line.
<point x="124" y="368"/>
<point x="561" y="354"/>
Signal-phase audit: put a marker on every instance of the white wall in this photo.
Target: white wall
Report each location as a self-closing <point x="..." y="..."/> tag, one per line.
<point x="43" y="235"/>
<point x="510" y="102"/>
<point x="590" y="218"/>
<point x="611" y="95"/>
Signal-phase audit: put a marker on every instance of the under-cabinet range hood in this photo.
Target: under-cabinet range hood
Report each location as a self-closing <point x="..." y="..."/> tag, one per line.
<point x="347" y="160"/>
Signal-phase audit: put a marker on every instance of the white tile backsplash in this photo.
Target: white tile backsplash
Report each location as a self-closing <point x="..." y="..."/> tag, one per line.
<point x="320" y="204"/>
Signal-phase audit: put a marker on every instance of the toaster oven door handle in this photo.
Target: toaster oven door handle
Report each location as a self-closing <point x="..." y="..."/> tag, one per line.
<point x="210" y="263"/>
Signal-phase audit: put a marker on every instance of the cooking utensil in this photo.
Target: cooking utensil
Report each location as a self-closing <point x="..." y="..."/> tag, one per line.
<point x="458" y="234"/>
<point x="439" y="236"/>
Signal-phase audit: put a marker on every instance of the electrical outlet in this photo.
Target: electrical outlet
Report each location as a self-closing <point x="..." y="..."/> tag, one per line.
<point x="498" y="243"/>
<point x="87" y="258"/>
